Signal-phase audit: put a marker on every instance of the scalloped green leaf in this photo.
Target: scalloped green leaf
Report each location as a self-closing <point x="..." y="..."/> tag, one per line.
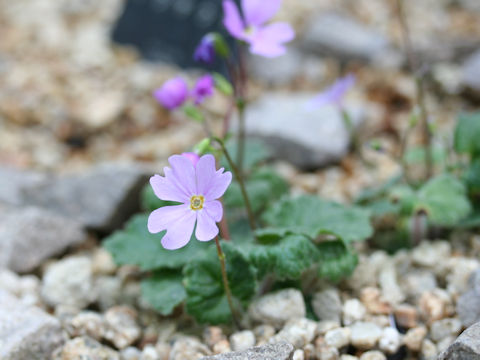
<point x="467" y="134"/>
<point x="206" y="299"/>
<point x="134" y="245"/>
<point x="336" y="260"/>
<point x="444" y="198"/>
<point x="164" y="291"/>
<point x="311" y="216"/>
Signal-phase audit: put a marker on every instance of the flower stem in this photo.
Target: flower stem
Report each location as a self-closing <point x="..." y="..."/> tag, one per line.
<point x="241" y="104"/>
<point x="228" y="292"/>
<point x="251" y="218"/>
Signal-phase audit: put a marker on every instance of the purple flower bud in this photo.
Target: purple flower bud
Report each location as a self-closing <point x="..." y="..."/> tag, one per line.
<point x="205" y="51"/>
<point x="172" y="94"/>
<point x="193" y="157"/>
<point x="203" y="88"/>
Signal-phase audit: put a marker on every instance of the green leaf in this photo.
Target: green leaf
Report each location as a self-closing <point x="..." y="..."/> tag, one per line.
<point x="416" y="155"/>
<point x="287" y="258"/>
<point x="136" y="246"/>
<point x="164" y="291"/>
<point x="472" y="177"/>
<point x="255" y="153"/>
<point x="149" y="201"/>
<point x="336" y="260"/>
<point x="405" y="198"/>
<point x="467" y="134"/>
<point x="193" y="113"/>
<point x="312" y="216"/>
<point x="263" y="186"/>
<point x="222" y="84"/>
<point x="206" y="299"/>
<point x="444" y="199"/>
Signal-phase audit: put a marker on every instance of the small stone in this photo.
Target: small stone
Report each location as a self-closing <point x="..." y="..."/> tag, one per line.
<point x="130" y="353"/>
<point x="338" y="338"/>
<point x="406" y="316"/>
<point x="26" y="332"/>
<point x="263" y="333"/>
<point x="365" y="335"/>
<point x="417" y="282"/>
<point x="325" y="326"/>
<point x="88" y="323"/>
<point x="163" y="350"/>
<point x="348" y="357"/>
<point x="298" y="355"/>
<point x="69" y="282"/>
<point x="102" y="263"/>
<point x="434" y="304"/>
<point x="10" y="282"/>
<point x="278" y="351"/>
<point x="462" y="270"/>
<point x="428" y="350"/>
<point x="372" y="299"/>
<point x="470" y="72"/>
<point x="212" y="335"/>
<point x="222" y="347"/>
<point x="29" y="236"/>
<point x="443" y="344"/>
<point x="325" y="352"/>
<point x="353" y="310"/>
<point x="466" y="346"/>
<point x="149" y="353"/>
<point x="87" y="348"/>
<point x="108" y="290"/>
<point x="414" y="337"/>
<point x="391" y="290"/>
<point x="327" y="305"/>
<point x="390" y="340"/>
<point x="277" y="308"/>
<point x="373" y="355"/>
<point x="441" y="329"/>
<point x="242" y="340"/>
<point x="121" y="327"/>
<point x="468" y="308"/>
<point x="430" y="254"/>
<point x="189" y="348"/>
<point x="297" y="332"/>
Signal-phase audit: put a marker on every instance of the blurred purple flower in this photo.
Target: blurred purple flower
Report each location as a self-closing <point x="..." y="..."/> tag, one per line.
<point x="205" y="51"/>
<point x="172" y="94"/>
<point x="193" y="157"/>
<point x="203" y="88"/>
<point x="334" y="94"/>
<point x="264" y="40"/>
<point x="197" y="187"/>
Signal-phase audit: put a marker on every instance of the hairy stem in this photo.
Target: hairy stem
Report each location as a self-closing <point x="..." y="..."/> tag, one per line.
<point x="420" y="91"/>
<point x="238" y="177"/>
<point x="228" y="292"/>
<point x="241" y="95"/>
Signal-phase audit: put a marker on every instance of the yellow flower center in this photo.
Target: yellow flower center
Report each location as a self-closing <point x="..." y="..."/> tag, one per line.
<point x="196" y="202"/>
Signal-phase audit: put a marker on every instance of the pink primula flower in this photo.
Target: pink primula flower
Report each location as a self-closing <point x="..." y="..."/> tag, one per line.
<point x="264" y="40"/>
<point x="197" y="187"/>
<point x="172" y="94"/>
<point x="203" y="89"/>
<point x="334" y="94"/>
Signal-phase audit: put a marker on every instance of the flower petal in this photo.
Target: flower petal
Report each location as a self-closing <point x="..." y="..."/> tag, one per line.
<point x="205" y="173"/>
<point x="207" y="228"/>
<point x="232" y="19"/>
<point x="269" y="40"/>
<point x="183" y="173"/>
<point x="214" y="209"/>
<point x="258" y="12"/>
<point x="172" y="94"/>
<point x="165" y="189"/>
<point x="162" y="218"/>
<point x="218" y="185"/>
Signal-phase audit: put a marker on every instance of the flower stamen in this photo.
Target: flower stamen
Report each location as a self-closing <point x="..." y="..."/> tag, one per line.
<point x="196" y="202"/>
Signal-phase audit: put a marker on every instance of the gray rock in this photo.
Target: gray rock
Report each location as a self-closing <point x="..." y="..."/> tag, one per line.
<point x="471" y="72"/>
<point x="28" y="236"/>
<point x="100" y="199"/>
<point x="307" y="138"/>
<point x="338" y="35"/>
<point x="277" y="308"/>
<point x="468" y="308"/>
<point x="26" y="332"/>
<point x="278" y="71"/>
<point x="14" y="181"/>
<point x="69" y="282"/>
<point x="279" y="351"/>
<point x="86" y="348"/>
<point x="466" y="347"/>
<point x="327" y="305"/>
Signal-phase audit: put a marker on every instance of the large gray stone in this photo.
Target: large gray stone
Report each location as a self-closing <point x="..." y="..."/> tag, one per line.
<point x="278" y="351"/>
<point x="278" y="71"/>
<point x="14" y="181"/>
<point x="468" y="307"/>
<point x="307" y="138"/>
<point x="338" y="35"/>
<point x="101" y="199"/>
<point x="466" y="347"/>
<point x="28" y="236"/>
<point x="26" y="332"/>
<point x="471" y="73"/>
